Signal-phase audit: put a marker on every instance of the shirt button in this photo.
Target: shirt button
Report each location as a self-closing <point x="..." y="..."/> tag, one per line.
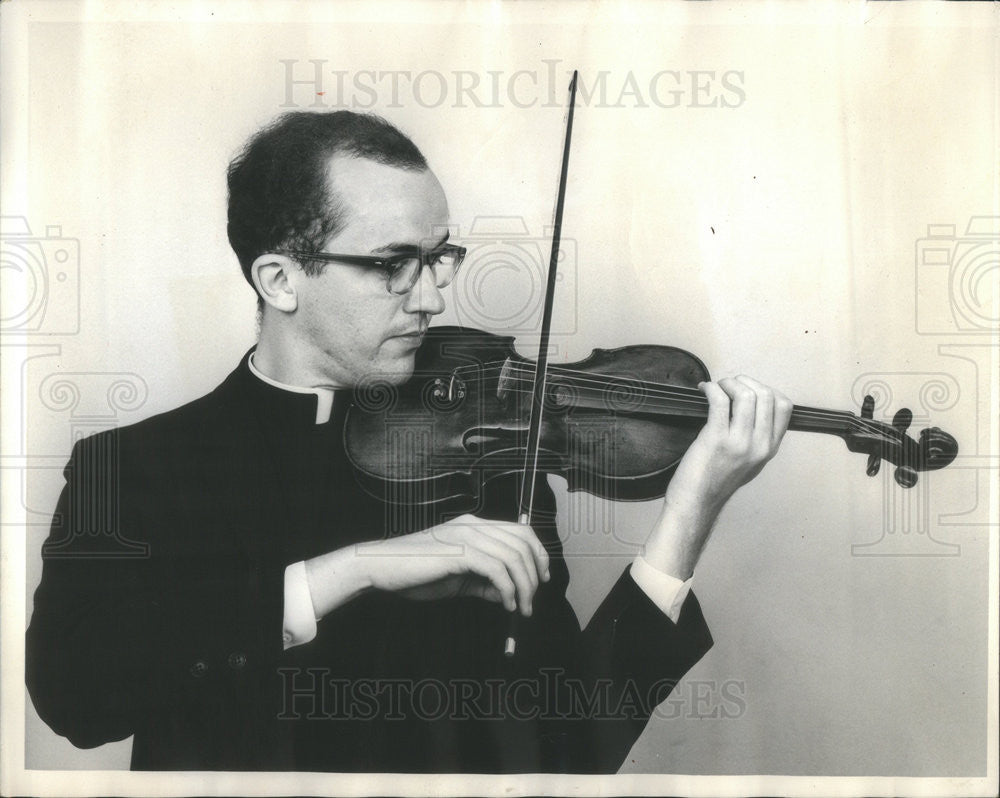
<point x="199" y="669"/>
<point x="237" y="661"/>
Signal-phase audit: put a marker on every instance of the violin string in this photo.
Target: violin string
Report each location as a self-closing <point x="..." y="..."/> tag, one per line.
<point x="686" y="399"/>
<point x="676" y="394"/>
<point x="649" y="388"/>
<point x="651" y="404"/>
<point x="679" y="394"/>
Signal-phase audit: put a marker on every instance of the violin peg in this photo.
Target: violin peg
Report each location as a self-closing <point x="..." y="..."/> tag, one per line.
<point x="902" y="419"/>
<point x="874" y="462"/>
<point x="906" y="476"/>
<point x="868" y="406"/>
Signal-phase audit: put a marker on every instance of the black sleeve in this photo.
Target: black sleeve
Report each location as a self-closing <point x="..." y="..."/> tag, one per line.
<point x="132" y="622"/>
<point x="642" y="654"/>
<point x="622" y="665"/>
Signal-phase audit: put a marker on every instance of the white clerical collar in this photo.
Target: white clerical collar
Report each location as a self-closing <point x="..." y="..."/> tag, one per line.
<point x="324" y="396"/>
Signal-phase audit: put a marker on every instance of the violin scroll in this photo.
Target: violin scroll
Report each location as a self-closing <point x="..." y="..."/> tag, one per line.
<point x="935" y="449"/>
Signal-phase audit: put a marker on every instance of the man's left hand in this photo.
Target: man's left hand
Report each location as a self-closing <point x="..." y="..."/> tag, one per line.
<point x="746" y="422"/>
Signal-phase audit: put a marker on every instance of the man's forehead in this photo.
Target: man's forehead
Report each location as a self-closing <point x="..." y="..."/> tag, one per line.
<point x="383" y="204"/>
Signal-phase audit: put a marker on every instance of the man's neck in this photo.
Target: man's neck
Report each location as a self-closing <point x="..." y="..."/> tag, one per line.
<point x="280" y="360"/>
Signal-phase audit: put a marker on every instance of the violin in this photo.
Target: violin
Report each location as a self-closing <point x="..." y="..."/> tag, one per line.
<point x="615" y="424"/>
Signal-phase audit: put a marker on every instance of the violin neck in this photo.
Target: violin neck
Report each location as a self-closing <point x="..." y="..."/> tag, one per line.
<point x="677" y="402"/>
<point x="815" y="419"/>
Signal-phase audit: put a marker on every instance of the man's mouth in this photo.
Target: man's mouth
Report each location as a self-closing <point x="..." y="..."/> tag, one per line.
<point x="415" y="333"/>
<point x="411" y="339"/>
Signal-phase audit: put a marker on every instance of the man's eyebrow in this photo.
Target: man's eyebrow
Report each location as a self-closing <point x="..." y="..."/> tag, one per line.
<point x="406" y="247"/>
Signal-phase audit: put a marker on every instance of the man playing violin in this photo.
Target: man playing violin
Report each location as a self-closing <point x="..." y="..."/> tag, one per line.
<point x="274" y="622"/>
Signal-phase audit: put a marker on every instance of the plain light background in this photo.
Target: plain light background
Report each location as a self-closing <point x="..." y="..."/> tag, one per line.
<point x="781" y="238"/>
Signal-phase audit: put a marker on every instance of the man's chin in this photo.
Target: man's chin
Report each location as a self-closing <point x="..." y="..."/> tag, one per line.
<point x="394" y="371"/>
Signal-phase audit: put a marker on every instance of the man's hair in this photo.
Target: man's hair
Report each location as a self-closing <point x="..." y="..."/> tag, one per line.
<point x="279" y="196"/>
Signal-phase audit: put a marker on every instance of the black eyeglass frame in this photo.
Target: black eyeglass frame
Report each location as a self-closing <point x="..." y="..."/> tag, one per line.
<point x="390" y="264"/>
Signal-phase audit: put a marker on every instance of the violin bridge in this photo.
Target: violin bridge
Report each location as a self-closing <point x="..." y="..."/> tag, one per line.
<point x="505" y="382"/>
<point x="455" y="389"/>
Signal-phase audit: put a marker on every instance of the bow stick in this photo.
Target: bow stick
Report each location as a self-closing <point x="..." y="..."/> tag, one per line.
<point x="529" y="473"/>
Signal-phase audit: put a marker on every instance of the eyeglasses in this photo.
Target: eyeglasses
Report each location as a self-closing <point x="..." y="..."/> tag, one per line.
<point x="402" y="270"/>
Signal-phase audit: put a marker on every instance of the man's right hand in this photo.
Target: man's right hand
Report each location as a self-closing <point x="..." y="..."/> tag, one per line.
<point x="499" y="561"/>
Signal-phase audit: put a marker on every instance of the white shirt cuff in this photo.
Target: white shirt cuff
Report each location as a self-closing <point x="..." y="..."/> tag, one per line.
<point x="299" y="624"/>
<point x="665" y="591"/>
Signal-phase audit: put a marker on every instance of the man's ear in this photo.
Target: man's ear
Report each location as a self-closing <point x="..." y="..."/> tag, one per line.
<point x="272" y="277"/>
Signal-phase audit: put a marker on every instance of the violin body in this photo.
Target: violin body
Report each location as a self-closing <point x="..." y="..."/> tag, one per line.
<point x="463" y="418"/>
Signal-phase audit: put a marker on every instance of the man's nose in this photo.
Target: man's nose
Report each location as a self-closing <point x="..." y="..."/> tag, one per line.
<point x="425" y="296"/>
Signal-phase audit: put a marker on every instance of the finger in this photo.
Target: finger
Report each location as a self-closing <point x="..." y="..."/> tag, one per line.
<point x="521" y="531"/>
<point x="763" y="423"/>
<point x="530" y="538"/>
<point x="490" y="593"/>
<point x="782" y="416"/>
<point x="718" y="406"/>
<point x="520" y="536"/>
<point x="744" y="407"/>
<point x="524" y="579"/>
<point x="478" y="587"/>
<point x="521" y="547"/>
<point x="494" y="571"/>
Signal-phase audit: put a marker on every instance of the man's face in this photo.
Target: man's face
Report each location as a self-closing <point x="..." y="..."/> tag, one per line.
<point x="350" y="326"/>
